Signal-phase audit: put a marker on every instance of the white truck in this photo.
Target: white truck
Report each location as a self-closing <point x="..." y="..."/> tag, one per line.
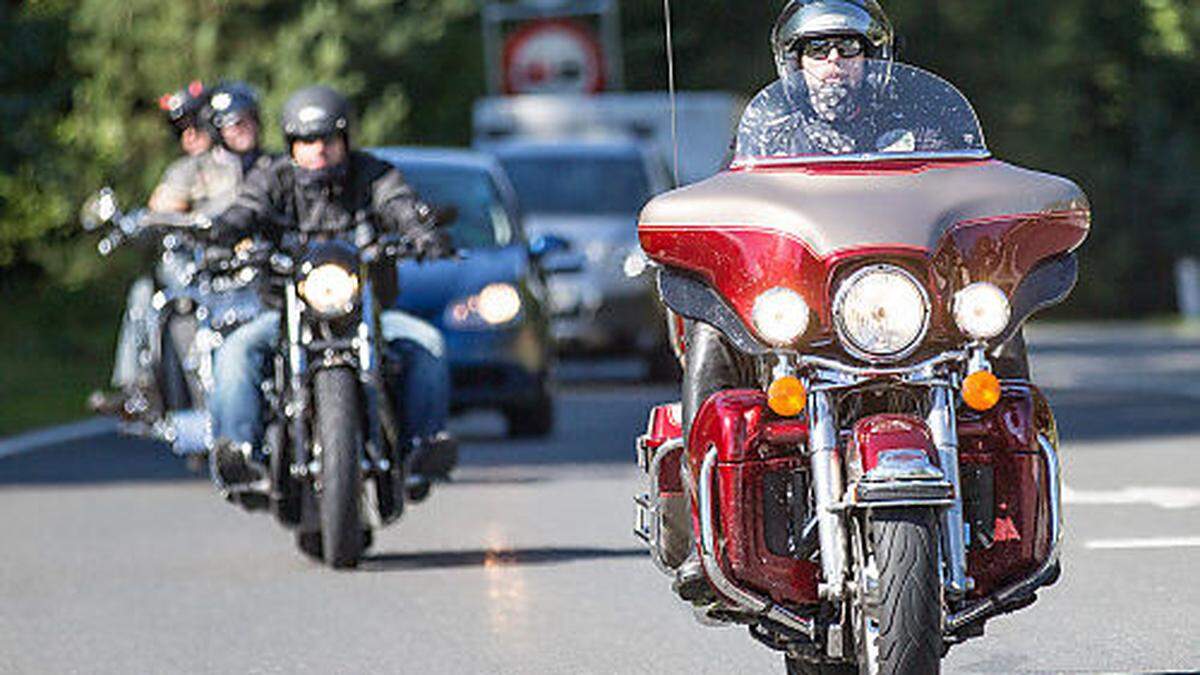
<point x="705" y="123"/>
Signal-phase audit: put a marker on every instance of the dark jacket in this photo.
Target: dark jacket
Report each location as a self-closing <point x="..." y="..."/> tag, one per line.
<point x="281" y="198"/>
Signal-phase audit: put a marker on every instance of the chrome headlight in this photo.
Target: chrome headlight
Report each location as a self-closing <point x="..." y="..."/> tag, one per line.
<point x="330" y="289"/>
<point x="981" y="310"/>
<point x="881" y="311"/>
<point x="496" y="305"/>
<point x="780" y="316"/>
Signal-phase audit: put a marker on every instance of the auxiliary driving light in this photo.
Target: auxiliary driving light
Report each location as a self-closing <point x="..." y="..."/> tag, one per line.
<point x="981" y="310"/>
<point x="780" y="315"/>
<point x="786" y="396"/>
<point x="981" y="390"/>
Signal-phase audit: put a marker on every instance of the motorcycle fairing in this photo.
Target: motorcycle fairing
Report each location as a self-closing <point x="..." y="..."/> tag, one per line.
<point x="745" y="232"/>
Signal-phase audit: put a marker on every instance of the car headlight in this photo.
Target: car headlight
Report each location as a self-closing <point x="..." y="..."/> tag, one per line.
<point x="496" y="305"/>
<point x="780" y="316"/>
<point x="881" y="311"/>
<point x="981" y="310"/>
<point x="330" y="289"/>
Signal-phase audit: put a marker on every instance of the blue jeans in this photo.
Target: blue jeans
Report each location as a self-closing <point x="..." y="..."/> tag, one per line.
<point x="418" y="377"/>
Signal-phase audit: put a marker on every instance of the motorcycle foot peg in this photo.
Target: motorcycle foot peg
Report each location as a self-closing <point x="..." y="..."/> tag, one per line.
<point x="416" y="487"/>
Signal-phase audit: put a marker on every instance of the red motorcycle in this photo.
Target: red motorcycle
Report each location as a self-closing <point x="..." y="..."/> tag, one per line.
<point x="869" y="476"/>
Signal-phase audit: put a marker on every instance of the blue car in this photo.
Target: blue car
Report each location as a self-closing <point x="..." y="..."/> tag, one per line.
<point x="490" y="303"/>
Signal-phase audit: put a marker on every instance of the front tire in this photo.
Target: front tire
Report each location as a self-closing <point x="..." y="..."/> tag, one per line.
<point x="336" y="403"/>
<point x="901" y="617"/>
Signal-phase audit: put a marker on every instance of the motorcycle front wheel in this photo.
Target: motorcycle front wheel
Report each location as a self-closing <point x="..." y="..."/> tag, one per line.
<point x="899" y="628"/>
<point x="338" y="430"/>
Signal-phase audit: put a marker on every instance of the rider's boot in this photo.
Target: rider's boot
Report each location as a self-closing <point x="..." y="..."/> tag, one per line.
<point x="430" y="459"/>
<point x="234" y="467"/>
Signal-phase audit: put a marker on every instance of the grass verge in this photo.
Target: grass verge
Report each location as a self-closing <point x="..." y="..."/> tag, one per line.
<point x="56" y="345"/>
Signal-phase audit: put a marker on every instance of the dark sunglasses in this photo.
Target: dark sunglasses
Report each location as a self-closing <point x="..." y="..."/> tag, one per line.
<point x="819" y="48"/>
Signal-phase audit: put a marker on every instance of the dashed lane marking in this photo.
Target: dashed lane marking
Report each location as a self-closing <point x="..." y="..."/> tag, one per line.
<point x="1162" y="497"/>
<point x="1134" y="544"/>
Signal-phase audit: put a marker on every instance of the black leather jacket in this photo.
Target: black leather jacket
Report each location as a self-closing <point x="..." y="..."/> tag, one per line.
<point x="281" y="197"/>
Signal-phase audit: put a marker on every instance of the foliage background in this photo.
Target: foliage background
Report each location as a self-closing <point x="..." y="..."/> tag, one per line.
<point x="1103" y="91"/>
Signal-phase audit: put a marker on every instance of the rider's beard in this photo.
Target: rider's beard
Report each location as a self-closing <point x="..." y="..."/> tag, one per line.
<point x="832" y="100"/>
<point x="325" y="176"/>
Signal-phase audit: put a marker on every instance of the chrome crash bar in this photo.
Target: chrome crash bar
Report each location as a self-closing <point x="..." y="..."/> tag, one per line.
<point x="997" y="600"/>
<point x="648" y="527"/>
<point x="745" y="600"/>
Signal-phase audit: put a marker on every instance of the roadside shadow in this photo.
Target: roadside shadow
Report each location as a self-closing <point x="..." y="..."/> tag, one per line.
<point x="455" y="481"/>
<point x="1097" y="414"/>
<point x="105" y="459"/>
<point x="389" y="562"/>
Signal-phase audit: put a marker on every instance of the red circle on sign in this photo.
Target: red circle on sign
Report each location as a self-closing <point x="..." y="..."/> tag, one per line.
<point x="553" y="56"/>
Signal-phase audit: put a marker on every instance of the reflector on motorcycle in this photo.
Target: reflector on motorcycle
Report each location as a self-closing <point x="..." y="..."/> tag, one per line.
<point x="786" y="396"/>
<point x="981" y="390"/>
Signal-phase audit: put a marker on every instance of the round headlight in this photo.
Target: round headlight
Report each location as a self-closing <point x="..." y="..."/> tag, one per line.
<point x="499" y="303"/>
<point x="981" y="310"/>
<point x="330" y="289"/>
<point x="881" y="311"/>
<point x="780" y="315"/>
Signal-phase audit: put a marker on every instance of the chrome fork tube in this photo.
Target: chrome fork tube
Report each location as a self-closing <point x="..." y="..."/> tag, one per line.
<point x="295" y="353"/>
<point x="942" y="425"/>
<point x="826" y="466"/>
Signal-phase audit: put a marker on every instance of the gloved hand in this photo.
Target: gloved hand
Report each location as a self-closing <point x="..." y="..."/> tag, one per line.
<point x="431" y="244"/>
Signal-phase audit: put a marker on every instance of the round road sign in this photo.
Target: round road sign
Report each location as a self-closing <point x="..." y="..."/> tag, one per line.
<point x="553" y="56"/>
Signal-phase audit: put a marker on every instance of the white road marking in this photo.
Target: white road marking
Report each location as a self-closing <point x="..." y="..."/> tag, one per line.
<point x="1154" y="542"/>
<point x="27" y="442"/>
<point x="1162" y="497"/>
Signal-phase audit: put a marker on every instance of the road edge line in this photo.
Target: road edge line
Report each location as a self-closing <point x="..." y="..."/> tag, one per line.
<point x="63" y="433"/>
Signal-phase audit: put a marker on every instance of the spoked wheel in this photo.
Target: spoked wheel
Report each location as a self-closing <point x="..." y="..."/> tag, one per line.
<point x="335" y="398"/>
<point x="898" y="614"/>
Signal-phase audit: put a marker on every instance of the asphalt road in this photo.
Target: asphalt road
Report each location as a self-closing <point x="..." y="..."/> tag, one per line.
<point x="113" y="559"/>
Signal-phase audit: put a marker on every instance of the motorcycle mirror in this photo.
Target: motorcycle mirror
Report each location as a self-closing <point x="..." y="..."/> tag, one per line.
<point x="99" y="209"/>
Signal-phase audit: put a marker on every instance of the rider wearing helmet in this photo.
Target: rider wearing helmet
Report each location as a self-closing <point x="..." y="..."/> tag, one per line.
<point x="190" y="182"/>
<point x="183" y="109"/>
<point x="208" y="182"/>
<point x="832" y="57"/>
<point x="836" y="94"/>
<point x="321" y="186"/>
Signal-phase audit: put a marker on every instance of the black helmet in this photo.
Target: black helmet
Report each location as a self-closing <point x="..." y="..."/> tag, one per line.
<point x="229" y="102"/>
<point x="183" y="106"/>
<point x="802" y="19"/>
<point x="314" y="112"/>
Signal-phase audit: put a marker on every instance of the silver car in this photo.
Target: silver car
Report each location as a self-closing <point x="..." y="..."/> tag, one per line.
<point x="590" y="192"/>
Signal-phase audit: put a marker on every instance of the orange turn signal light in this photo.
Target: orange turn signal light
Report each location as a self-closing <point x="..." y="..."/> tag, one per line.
<point x="786" y="396"/>
<point x="981" y="390"/>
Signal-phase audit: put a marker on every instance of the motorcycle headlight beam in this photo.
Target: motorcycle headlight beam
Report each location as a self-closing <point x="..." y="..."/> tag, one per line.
<point x="981" y="310"/>
<point x="881" y="312"/>
<point x="330" y="289"/>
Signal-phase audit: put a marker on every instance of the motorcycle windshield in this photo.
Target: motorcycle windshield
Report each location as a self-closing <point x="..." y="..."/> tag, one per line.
<point x="857" y="110"/>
